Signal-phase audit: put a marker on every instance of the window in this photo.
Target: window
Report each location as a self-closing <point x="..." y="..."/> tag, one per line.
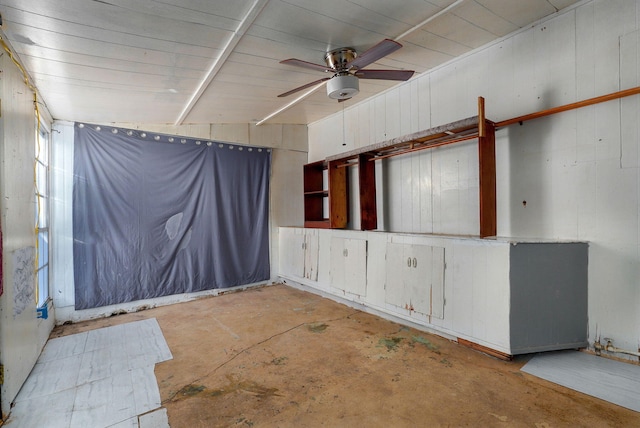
<point x="42" y="214"/>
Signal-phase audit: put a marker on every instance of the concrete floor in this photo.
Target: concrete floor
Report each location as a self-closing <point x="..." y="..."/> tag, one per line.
<point x="277" y="356"/>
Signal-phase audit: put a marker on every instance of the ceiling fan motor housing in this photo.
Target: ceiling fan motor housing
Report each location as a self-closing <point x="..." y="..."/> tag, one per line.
<point x="341" y="87"/>
<point x="339" y="58"/>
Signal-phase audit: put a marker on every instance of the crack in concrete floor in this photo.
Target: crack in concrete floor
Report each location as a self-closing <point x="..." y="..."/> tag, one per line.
<point x="317" y="326"/>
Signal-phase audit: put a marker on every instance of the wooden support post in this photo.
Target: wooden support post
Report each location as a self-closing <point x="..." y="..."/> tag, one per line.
<point x="481" y="117"/>
<point x="367" y="186"/>
<point x="487" y="160"/>
<point x="338" y="195"/>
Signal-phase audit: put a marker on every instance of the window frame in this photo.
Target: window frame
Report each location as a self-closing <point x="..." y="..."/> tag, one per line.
<point x="42" y="210"/>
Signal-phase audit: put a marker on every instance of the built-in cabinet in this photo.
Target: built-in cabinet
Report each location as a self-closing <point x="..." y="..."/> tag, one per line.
<point x="504" y="296"/>
<point x="415" y="278"/>
<point x="348" y="269"/>
<point x="299" y="252"/>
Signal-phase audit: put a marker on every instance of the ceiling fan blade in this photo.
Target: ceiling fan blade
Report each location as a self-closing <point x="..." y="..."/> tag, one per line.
<point x="385" y="74"/>
<point x="370" y="56"/>
<point x="308" y="85"/>
<point x="305" y="64"/>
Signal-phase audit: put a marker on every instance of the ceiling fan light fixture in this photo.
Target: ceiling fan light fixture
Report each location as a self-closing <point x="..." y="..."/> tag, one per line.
<point x="341" y="87"/>
<point x="347" y="67"/>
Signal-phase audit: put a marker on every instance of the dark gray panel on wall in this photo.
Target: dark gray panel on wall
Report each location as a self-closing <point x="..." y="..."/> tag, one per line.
<point x="548" y="296"/>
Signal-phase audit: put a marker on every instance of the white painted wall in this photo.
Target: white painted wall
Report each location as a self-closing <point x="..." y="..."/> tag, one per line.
<point x="578" y="171"/>
<point x="22" y="334"/>
<point x="289" y="144"/>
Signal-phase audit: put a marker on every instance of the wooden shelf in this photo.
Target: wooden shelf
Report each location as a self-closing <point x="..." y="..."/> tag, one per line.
<point x="317" y="224"/>
<point x="325" y="191"/>
<point x="317" y="193"/>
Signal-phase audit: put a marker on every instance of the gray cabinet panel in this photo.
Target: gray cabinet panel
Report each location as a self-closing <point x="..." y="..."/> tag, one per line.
<point x="548" y="296"/>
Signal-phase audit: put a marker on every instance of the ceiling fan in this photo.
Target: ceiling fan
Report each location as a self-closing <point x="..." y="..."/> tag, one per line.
<point x="347" y="67"/>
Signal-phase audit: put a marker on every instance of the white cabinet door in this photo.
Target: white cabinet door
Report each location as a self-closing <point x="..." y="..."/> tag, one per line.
<point x="292" y="252"/>
<point x="415" y="278"/>
<point x="311" y="256"/>
<point x="349" y="265"/>
<point x="299" y="253"/>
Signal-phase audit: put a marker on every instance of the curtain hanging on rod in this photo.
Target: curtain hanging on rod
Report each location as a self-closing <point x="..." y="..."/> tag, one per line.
<point x="155" y="215"/>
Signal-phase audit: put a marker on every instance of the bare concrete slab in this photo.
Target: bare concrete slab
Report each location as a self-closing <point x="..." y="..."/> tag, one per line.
<point x="281" y="357"/>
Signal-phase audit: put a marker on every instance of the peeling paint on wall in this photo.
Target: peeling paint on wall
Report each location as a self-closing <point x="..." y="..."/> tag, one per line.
<point x="23" y="279"/>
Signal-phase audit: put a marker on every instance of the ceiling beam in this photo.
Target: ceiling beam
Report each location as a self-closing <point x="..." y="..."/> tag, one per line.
<point x="429" y="19"/>
<point x="233" y="41"/>
<point x="291" y="104"/>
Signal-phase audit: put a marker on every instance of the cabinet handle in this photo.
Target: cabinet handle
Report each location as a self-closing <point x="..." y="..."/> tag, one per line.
<point x="409" y="262"/>
<point x="304" y="245"/>
<point x="415" y="262"/>
<point x="345" y="252"/>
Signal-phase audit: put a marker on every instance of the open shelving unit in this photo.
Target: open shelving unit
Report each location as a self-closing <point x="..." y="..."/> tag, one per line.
<point x="325" y="195"/>
<point x="476" y="127"/>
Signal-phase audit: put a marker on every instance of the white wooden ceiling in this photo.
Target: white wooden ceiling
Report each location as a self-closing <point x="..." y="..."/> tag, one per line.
<point x="217" y="61"/>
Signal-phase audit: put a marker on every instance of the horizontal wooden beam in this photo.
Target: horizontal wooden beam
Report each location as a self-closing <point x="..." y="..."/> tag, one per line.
<point x="347" y="164"/>
<point x="572" y="106"/>
<point x="426" y="146"/>
<point x="484" y="349"/>
<point x="459" y="127"/>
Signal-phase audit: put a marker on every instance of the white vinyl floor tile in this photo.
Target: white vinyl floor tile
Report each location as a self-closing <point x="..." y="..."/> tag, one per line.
<point x="146" y="394"/>
<point x="109" y="337"/>
<point x="129" y="423"/>
<point x="51" y="377"/>
<point x="62" y="347"/>
<point x="155" y="419"/>
<point x="104" y="402"/>
<point x="103" y="378"/>
<point x="102" y="363"/>
<point x="51" y="411"/>
<point x="609" y="380"/>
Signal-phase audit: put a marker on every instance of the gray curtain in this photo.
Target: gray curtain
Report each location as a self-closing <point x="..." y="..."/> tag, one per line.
<point x="155" y="215"/>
